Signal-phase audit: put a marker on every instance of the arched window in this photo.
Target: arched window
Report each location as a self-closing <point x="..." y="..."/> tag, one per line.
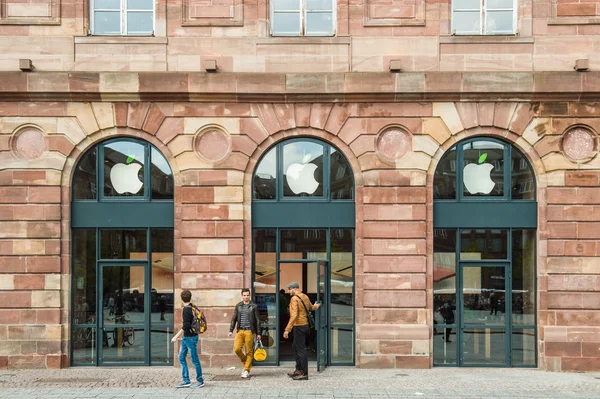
<point x="303" y="219"/>
<point x="122" y="254"/>
<point x="485" y="216"/>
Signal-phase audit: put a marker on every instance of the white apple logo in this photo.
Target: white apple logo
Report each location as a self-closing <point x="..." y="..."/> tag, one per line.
<point x="124" y="177"/>
<point x="477" y="177"/>
<point x="301" y="177"/>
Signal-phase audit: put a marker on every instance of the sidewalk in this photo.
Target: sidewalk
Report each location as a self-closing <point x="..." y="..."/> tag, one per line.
<point x="271" y="382"/>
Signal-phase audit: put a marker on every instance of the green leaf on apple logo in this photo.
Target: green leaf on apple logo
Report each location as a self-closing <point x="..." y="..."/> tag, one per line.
<point x="482" y="158"/>
<point x="129" y="159"/>
<point x="306" y="158"/>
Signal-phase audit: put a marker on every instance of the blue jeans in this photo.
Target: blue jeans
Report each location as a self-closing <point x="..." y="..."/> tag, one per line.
<point x="190" y="344"/>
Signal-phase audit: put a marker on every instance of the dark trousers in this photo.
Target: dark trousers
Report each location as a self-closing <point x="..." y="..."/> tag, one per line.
<point x="301" y="335"/>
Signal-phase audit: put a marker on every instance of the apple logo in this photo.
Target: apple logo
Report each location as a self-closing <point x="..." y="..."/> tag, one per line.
<point x="301" y="177"/>
<point x="124" y="177"/>
<point x="476" y="177"/>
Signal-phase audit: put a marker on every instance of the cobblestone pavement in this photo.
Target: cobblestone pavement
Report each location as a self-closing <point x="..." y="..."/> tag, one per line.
<point x="271" y="382"/>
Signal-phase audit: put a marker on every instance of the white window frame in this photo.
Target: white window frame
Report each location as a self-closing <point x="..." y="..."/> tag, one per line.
<point x="123" y="12"/>
<point x="304" y="11"/>
<point x="483" y="10"/>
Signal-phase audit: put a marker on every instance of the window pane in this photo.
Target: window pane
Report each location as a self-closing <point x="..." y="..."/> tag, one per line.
<point x="444" y="182"/>
<point x="286" y="23"/>
<point x="342" y="276"/>
<point x="483" y="173"/>
<point x="523" y="347"/>
<point x="466" y="22"/>
<point x="107" y="22"/>
<point x="123" y="291"/>
<point x="124" y="169"/>
<point x="84" y="345"/>
<point x="139" y="4"/>
<point x="161" y="349"/>
<point x="523" y="181"/>
<point x="342" y="345"/>
<point x="129" y="345"/>
<point x="268" y="337"/>
<point x="265" y="267"/>
<point x="84" y="181"/>
<point x="139" y="22"/>
<point x="444" y="351"/>
<point x="483" y="295"/>
<point x="162" y="292"/>
<point x="286" y="5"/>
<point x="107" y="4"/>
<point x="303" y="169"/>
<point x="123" y="244"/>
<point x="444" y="276"/>
<point x="162" y="177"/>
<point x="467" y="4"/>
<point x="265" y="178"/>
<point x="483" y="244"/>
<point x="325" y="5"/>
<point x="495" y="4"/>
<point x="499" y="22"/>
<point x="319" y="23"/>
<point x="523" y="277"/>
<point x="342" y="183"/>
<point x="484" y="346"/>
<point x="84" y="276"/>
<point x="303" y="244"/>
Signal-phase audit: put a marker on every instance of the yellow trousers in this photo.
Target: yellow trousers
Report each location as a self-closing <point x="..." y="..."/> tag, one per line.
<point x="244" y="337"/>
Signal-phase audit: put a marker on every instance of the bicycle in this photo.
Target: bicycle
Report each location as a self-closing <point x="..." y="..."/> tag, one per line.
<point x="128" y="332"/>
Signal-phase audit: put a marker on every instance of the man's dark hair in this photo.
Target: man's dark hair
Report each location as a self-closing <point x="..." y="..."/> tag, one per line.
<point x="282" y="291"/>
<point x="186" y="295"/>
<point x="245" y="290"/>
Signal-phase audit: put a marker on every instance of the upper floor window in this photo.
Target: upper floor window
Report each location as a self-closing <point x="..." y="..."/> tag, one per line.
<point x="122" y="17"/>
<point x="484" y="17"/>
<point x="303" y="17"/>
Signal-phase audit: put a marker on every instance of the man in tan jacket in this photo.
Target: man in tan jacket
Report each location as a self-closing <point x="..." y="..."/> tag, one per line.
<point x="299" y="323"/>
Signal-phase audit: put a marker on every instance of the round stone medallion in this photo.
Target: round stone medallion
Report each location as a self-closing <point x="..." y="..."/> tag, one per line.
<point x="30" y="143"/>
<point x="393" y="143"/>
<point x="579" y="144"/>
<point x="212" y="144"/>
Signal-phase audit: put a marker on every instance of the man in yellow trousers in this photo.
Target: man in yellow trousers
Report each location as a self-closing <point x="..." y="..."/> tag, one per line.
<point x="247" y="319"/>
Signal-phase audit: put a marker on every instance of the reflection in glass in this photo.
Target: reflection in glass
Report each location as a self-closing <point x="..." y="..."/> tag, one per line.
<point x="139" y="22"/>
<point x="268" y="337"/>
<point x="123" y="294"/>
<point x="303" y="244"/>
<point x="483" y="295"/>
<point x="483" y="173"/>
<point x="303" y="169"/>
<point x="523" y="347"/>
<point x="84" y="345"/>
<point x="483" y="244"/>
<point x="444" y="352"/>
<point x="162" y="176"/>
<point x="140" y="4"/>
<point x="107" y="22"/>
<point x="84" y="276"/>
<point x="523" y="277"/>
<point x="523" y="181"/>
<point x="123" y="244"/>
<point x="319" y="23"/>
<point x="484" y="346"/>
<point x="124" y="169"/>
<point x="161" y="349"/>
<point x="84" y="181"/>
<point x="342" y="345"/>
<point x="499" y="21"/>
<point x="342" y="276"/>
<point x="467" y="22"/>
<point x="444" y="182"/>
<point x="265" y="178"/>
<point x="265" y="267"/>
<point x="162" y="293"/>
<point x="286" y="23"/>
<point x="123" y="344"/>
<point x="342" y="182"/>
<point x="444" y="276"/>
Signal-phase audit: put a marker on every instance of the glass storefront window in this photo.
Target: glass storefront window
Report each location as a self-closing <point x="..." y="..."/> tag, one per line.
<point x="342" y="182"/>
<point x="123" y="244"/>
<point x="483" y="169"/>
<point x="123" y="344"/>
<point x="342" y="345"/>
<point x="161" y="350"/>
<point x="84" y="181"/>
<point x="523" y="277"/>
<point x="162" y="293"/>
<point x="84" y="345"/>
<point x="265" y="177"/>
<point x="523" y="347"/>
<point x="483" y="295"/>
<point x="303" y="244"/>
<point x="303" y="169"/>
<point x="523" y="180"/>
<point x="124" y="169"/>
<point x="162" y="178"/>
<point x="342" y="276"/>
<point x="84" y="276"/>
<point x="483" y="244"/>
<point x="484" y="346"/>
<point x="444" y="276"/>
<point x="444" y="186"/>
<point x="265" y="268"/>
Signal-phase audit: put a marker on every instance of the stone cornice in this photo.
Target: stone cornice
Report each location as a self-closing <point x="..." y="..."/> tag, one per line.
<point x="310" y="87"/>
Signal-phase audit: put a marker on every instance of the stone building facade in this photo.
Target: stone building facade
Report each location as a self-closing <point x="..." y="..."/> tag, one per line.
<point x="513" y="99"/>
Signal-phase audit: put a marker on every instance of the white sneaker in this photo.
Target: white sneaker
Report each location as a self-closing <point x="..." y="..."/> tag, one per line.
<point x="245" y="374"/>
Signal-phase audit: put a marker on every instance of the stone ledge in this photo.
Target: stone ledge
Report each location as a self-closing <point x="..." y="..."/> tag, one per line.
<point x="482" y="39"/>
<point x="120" y="40"/>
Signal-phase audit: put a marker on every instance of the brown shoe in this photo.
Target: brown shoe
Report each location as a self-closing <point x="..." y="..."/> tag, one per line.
<point x="295" y="373"/>
<point x="300" y="377"/>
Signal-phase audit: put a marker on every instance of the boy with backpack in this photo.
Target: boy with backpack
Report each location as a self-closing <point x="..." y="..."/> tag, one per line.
<point x="193" y="324"/>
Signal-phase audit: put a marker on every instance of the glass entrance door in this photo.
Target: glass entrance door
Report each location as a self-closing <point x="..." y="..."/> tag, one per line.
<point x="322" y="319"/>
<point x="482" y="336"/>
<point x="122" y="321"/>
